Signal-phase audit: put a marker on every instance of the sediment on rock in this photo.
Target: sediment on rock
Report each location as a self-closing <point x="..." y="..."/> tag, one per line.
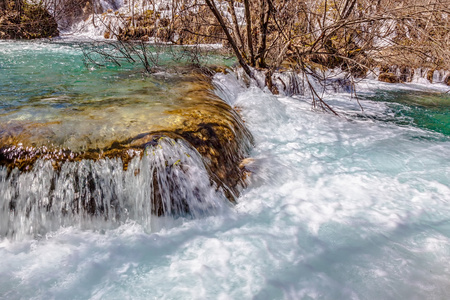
<point x="207" y="124"/>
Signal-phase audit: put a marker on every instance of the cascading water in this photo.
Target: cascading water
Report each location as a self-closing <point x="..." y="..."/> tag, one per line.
<point x="96" y="158"/>
<point x="170" y="179"/>
<point x="349" y="207"/>
<point x="112" y="14"/>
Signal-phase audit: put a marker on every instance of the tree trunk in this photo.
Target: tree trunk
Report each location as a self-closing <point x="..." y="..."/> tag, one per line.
<point x="215" y="11"/>
<point x="248" y="20"/>
<point x="18" y="6"/>
<point x="348" y="8"/>
<point x="2" y="5"/>
<point x="262" y="34"/>
<point x="132" y="13"/>
<point x="237" y="31"/>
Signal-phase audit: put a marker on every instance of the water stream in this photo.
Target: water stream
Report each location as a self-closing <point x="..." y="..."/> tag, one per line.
<point x="349" y="207"/>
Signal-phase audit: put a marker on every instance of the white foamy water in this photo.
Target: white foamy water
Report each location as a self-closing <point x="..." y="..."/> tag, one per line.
<point x="112" y="14"/>
<point x="170" y="179"/>
<point x="336" y="208"/>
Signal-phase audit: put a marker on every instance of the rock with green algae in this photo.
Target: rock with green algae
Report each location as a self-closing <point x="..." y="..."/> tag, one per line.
<point x="204" y="121"/>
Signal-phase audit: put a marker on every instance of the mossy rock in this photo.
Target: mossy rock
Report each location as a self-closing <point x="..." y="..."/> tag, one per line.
<point x="201" y="119"/>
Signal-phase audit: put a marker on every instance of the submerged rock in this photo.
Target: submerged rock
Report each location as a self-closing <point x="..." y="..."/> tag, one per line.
<point x="199" y="119"/>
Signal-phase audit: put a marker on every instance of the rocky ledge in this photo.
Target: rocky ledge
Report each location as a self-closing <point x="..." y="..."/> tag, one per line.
<point x="207" y="124"/>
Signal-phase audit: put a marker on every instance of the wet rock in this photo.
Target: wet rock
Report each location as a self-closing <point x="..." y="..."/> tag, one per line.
<point x="388" y="77"/>
<point x="447" y="80"/>
<point x="406" y="74"/>
<point x="204" y="121"/>
<point x="430" y="75"/>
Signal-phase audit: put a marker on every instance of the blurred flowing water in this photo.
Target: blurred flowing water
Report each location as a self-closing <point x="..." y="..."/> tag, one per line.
<point x="95" y="147"/>
<point x="349" y="207"/>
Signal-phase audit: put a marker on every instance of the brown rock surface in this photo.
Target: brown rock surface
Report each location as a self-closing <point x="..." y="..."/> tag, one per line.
<point x="388" y="77"/>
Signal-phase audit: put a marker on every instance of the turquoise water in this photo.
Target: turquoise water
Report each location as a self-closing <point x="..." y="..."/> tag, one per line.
<point x="424" y="109"/>
<point x="349" y="207"/>
<point x="51" y="90"/>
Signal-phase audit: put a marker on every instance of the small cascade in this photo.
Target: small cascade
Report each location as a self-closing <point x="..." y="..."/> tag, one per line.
<point x="420" y="76"/>
<point x="290" y="83"/>
<point x="112" y="148"/>
<point x="93" y="22"/>
<point x="440" y="76"/>
<point x="109" y="16"/>
<point x="111" y="4"/>
<point x="169" y="179"/>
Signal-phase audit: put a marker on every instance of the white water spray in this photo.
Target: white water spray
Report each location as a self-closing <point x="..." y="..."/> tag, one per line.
<point x="170" y="179"/>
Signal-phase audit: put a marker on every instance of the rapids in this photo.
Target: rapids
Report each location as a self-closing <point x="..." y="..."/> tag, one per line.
<point x="349" y="207"/>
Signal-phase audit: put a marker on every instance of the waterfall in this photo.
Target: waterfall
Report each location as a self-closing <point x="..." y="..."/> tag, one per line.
<point x="110" y="15"/>
<point x="170" y="179"/>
